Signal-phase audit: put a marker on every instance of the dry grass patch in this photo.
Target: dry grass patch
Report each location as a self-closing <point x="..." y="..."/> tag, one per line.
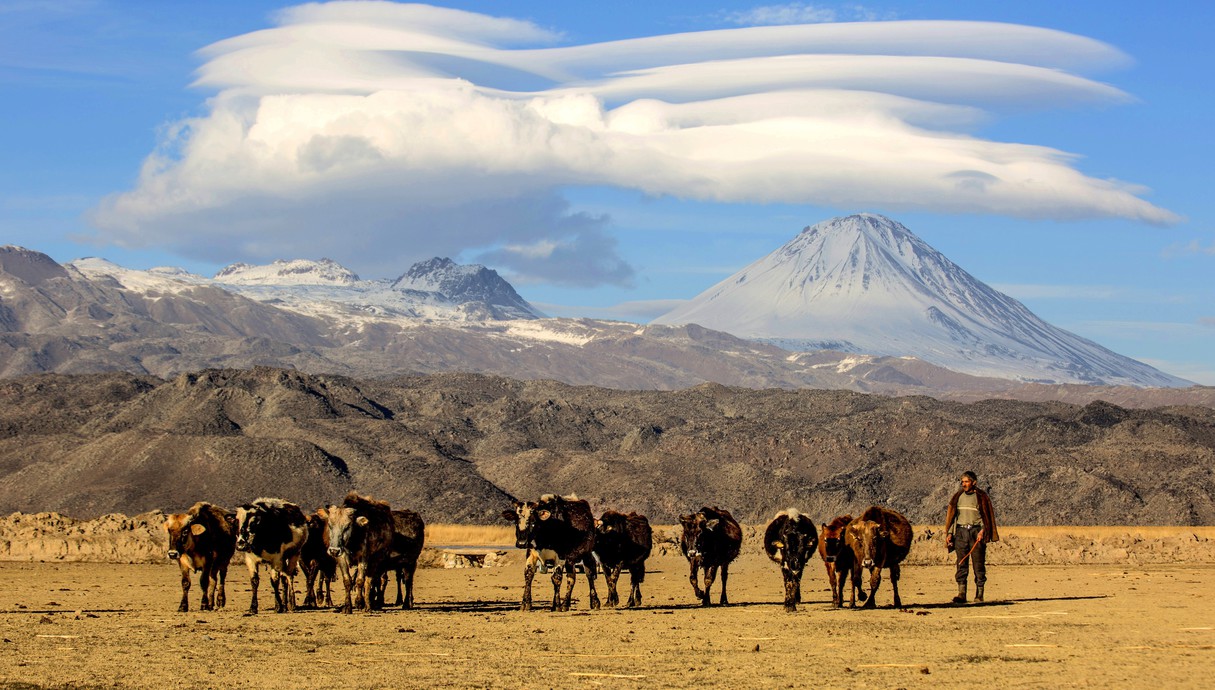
<point x="470" y="535"/>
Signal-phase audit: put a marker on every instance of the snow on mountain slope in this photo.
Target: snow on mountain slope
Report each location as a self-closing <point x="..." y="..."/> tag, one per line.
<point x="438" y="290"/>
<point x="867" y="284"/>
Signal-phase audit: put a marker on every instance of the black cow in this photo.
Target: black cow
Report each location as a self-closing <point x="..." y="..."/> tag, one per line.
<point x="711" y="540"/>
<point x="360" y="533"/>
<point x="790" y="541"/>
<point x="879" y="538"/>
<point x="839" y="560"/>
<point x="623" y="540"/>
<point x="203" y="539"/>
<point x="564" y="529"/>
<point x="319" y="567"/>
<point x="272" y="531"/>
<point x="408" y="536"/>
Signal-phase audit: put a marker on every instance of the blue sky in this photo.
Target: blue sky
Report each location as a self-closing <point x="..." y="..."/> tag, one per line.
<point x="608" y="162"/>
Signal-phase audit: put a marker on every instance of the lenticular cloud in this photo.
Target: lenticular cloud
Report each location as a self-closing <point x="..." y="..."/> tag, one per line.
<point x="398" y="119"/>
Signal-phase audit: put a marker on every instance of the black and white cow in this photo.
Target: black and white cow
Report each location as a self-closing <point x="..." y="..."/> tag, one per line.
<point x="272" y="531"/>
<point x="790" y="541"/>
<point x="562" y="528"/>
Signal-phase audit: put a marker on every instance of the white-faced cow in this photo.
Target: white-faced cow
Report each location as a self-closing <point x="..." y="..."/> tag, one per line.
<point x="711" y="540"/>
<point x="790" y="541"/>
<point x="879" y="538"/>
<point x="623" y="541"/>
<point x="839" y="561"/>
<point x="319" y="567"/>
<point x="408" y="537"/>
<point x="272" y="531"/>
<point x="202" y="539"/>
<point x="561" y="527"/>
<point x="360" y="538"/>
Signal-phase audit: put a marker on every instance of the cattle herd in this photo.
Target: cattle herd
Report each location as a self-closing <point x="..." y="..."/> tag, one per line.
<point x="362" y="540"/>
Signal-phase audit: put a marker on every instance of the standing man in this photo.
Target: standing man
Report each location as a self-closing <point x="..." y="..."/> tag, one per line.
<point x="969" y="525"/>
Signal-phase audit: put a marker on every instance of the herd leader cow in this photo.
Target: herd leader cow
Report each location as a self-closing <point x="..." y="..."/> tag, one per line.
<point x="272" y="531"/>
<point x="623" y="541"/>
<point x="838" y="559"/>
<point x="790" y="541"/>
<point x="879" y="538"/>
<point x="360" y="536"/>
<point x="202" y="539"/>
<point x="711" y="540"/>
<point x="319" y="567"/>
<point x="562" y="528"/>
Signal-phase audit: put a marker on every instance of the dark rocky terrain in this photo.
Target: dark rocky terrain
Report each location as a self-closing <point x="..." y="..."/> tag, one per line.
<point x="457" y="446"/>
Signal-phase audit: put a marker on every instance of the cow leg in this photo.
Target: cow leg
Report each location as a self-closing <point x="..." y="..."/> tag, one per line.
<point x="558" y="573"/>
<point x="206" y="584"/>
<point x="591" y="566"/>
<point x="185" y="586"/>
<point x="725" y="577"/>
<point x="636" y="577"/>
<point x="254" y="579"/>
<point x="310" y="572"/>
<point x="276" y="577"/>
<point x="857" y="589"/>
<point x="894" y="582"/>
<point x="797" y="589"/>
<point x="343" y="567"/>
<point x="611" y="575"/>
<point x="529" y="572"/>
<point x="293" y="565"/>
<point x="220" y="598"/>
<point x="710" y="576"/>
<point x="694" y="577"/>
<point x="837" y="599"/>
<point x="790" y="590"/>
<point x="875" y="581"/>
<point x="407" y="573"/>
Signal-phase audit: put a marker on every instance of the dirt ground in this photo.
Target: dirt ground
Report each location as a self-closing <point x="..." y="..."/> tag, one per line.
<point x="90" y="624"/>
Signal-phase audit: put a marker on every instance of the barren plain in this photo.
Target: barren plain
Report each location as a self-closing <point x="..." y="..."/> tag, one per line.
<point x="73" y="624"/>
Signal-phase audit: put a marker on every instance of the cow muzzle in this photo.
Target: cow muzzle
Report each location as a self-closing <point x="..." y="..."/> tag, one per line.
<point x="868" y="563"/>
<point x="174" y="555"/>
<point x="335" y="552"/>
<point x="829" y="559"/>
<point x="242" y="544"/>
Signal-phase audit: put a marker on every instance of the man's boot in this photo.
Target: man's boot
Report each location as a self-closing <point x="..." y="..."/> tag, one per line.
<point x="961" y="598"/>
<point x="978" y="592"/>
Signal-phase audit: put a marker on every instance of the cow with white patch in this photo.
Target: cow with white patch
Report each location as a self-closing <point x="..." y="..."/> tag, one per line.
<point x="790" y="541"/>
<point x="562" y="528"/>
<point x="202" y="539"/>
<point x="360" y="536"/>
<point x="272" y="531"/>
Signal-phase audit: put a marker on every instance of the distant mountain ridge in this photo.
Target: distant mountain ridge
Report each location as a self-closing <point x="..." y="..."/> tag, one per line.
<point x="865" y="283"/>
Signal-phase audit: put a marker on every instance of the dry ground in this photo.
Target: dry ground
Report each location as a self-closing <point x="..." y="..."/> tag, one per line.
<point x="88" y="624"/>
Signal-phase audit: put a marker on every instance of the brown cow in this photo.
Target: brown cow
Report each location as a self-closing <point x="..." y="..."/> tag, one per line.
<point x="408" y="536"/>
<point x="360" y="536"/>
<point x="838" y="559"/>
<point x="711" y="539"/>
<point x="623" y="540"/>
<point x="203" y="539"/>
<point x="790" y="540"/>
<point x="879" y="538"/>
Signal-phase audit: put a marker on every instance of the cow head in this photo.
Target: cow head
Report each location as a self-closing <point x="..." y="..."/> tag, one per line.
<point x="341" y="526"/>
<point x="697" y="531"/>
<point x="524" y="518"/>
<point x="867" y="538"/>
<point x="182" y="530"/>
<point x="794" y="543"/>
<point x="612" y="525"/>
<point x="248" y="520"/>
<point x="833" y="537"/>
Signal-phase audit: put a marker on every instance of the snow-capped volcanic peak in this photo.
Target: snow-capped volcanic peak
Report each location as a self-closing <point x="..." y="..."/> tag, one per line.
<point x="867" y="284"/>
<point x="458" y="283"/>
<point x="286" y="273"/>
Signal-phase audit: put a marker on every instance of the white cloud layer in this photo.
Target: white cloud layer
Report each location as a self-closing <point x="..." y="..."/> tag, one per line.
<point x="364" y="130"/>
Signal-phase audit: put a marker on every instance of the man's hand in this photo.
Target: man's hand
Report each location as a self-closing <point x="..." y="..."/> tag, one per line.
<point x="949" y="541"/>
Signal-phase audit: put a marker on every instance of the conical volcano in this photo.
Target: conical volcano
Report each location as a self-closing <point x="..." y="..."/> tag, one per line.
<point x="867" y="284"/>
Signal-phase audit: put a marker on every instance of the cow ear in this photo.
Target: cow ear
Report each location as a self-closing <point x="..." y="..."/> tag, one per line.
<point x="779" y="544"/>
<point x="510" y="515"/>
<point x="544" y="514"/>
<point x="598" y="524"/>
<point x="362" y="520"/>
<point x="197" y="529"/>
<point x="322" y="513"/>
<point x="712" y="524"/>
